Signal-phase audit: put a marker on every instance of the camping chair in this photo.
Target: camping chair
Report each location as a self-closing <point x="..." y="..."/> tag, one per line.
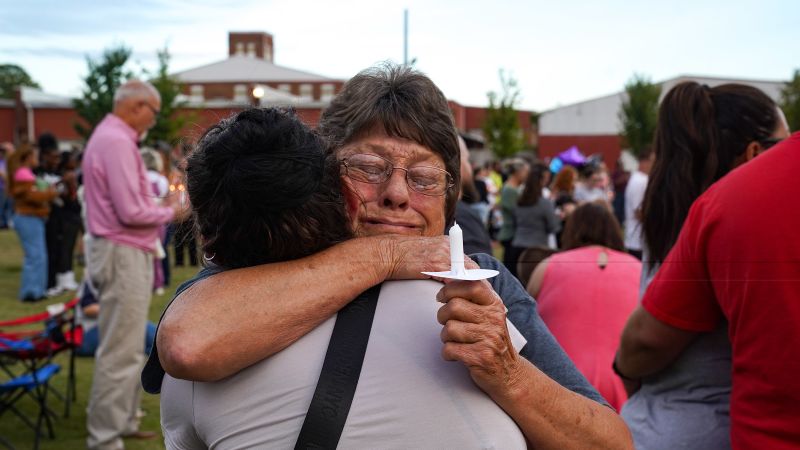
<point x="61" y="333"/>
<point x="34" y="384"/>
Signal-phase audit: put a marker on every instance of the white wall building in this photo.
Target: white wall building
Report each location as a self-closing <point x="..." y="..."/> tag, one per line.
<point x="594" y="125"/>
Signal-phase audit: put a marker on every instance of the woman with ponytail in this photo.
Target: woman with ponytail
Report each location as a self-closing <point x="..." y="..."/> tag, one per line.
<point x="684" y="378"/>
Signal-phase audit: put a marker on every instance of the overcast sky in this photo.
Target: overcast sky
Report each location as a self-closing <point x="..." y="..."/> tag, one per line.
<point x="560" y="52"/>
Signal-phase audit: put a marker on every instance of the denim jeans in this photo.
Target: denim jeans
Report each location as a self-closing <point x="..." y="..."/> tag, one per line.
<point x="91" y="340"/>
<point x="30" y="230"/>
<point x="5" y="215"/>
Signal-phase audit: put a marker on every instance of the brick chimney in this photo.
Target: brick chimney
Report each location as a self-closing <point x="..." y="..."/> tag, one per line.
<point x="251" y="44"/>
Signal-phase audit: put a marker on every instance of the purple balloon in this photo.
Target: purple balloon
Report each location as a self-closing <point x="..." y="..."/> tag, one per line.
<point x="572" y="156"/>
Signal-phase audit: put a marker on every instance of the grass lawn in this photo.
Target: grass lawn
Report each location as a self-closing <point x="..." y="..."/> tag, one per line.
<point x="70" y="432"/>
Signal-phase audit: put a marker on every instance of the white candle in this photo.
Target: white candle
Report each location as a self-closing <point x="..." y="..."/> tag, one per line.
<point x="182" y="195"/>
<point x="456" y="250"/>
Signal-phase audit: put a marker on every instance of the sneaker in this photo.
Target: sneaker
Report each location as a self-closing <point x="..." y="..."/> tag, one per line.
<point x="54" y="291"/>
<point x="160" y="291"/>
<point x="66" y="281"/>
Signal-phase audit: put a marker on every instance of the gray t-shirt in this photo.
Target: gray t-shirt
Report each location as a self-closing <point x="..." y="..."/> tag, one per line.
<point x="488" y="430"/>
<point x="407" y="395"/>
<point x="686" y="405"/>
<point x="534" y="223"/>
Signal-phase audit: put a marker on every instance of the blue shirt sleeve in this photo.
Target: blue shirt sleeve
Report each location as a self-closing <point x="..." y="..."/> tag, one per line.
<point x="542" y="348"/>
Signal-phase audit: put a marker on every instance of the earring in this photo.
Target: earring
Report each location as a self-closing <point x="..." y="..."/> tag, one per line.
<point x="207" y="258"/>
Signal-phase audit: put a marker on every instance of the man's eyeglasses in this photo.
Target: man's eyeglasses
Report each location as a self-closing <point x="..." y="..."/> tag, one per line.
<point x="374" y="169"/>
<point x="155" y="112"/>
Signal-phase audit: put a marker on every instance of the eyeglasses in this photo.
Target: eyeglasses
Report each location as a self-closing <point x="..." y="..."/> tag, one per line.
<point x="768" y="142"/>
<point x="374" y="169"/>
<point x="153" y="110"/>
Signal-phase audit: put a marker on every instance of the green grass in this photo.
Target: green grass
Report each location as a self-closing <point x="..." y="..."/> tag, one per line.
<point x="70" y="432"/>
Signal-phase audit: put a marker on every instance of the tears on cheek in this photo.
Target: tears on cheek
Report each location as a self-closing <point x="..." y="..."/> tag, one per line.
<point x="352" y="197"/>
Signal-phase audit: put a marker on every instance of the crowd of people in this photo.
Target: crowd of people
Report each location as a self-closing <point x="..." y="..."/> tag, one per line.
<point x="652" y="309"/>
<point x="42" y="202"/>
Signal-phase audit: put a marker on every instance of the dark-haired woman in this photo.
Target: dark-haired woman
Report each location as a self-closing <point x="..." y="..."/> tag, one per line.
<point x="71" y="220"/>
<point x="684" y="376"/>
<point x="534" y="217"/>
<point x="586" y="293"/>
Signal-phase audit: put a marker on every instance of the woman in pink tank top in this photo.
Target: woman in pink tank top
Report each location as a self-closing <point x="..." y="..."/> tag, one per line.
<point x="586" y="293"/>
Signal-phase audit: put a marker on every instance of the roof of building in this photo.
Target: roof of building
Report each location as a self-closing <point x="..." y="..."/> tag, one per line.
<point x="245" y="69"/>
<point x="40" y="99"/>
<point x="599" y="115"/>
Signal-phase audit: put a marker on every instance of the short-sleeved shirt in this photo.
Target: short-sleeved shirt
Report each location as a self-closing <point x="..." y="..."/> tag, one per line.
<point x="738" y="258"/>
<point x="542" y="350"/>
<point x="534" y="223"/>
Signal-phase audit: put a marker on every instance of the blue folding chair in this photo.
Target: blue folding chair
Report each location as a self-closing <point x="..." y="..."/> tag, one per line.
<point x="34" y="384"/>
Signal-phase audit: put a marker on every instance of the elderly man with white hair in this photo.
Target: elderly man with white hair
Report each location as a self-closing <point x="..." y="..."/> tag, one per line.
<point x="123" y="222"/>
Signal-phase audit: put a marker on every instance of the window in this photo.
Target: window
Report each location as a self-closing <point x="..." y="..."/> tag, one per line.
<point x="239" y="48"/>
<point x="326" y="92"/>
<point x="251" y="49"/>
<point x="285" y="88"/>
<point x="268" y="53"/>
<point x="307" y="92"/>
<point x="196" y="93"/>
<point x="240" y="93"/>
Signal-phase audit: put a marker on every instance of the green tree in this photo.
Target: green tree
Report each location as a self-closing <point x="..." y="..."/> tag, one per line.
<point x="169" y="122"/>
<point x="639" y="113"/>
<point x="501" y="126"/>
<point x="12" y="76"/>
<point x="790" y="101"/>
<point x="104" y="77"/>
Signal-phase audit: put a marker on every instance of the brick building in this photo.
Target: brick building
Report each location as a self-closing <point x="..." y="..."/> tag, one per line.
<point x="214" y="91"/>
<point x="250" y="64"/>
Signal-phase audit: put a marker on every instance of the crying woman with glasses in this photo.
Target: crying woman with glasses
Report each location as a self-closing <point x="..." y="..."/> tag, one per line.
<point x="294" y="227"/>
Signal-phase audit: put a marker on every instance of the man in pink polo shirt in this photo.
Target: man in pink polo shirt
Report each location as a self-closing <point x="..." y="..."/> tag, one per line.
<point x="123" y="221"/>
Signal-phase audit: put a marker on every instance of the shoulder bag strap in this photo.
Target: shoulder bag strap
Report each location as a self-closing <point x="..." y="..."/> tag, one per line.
<point x="341" y="369"/>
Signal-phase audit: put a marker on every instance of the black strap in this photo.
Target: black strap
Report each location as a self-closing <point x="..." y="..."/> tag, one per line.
<point x="338" y="379"/>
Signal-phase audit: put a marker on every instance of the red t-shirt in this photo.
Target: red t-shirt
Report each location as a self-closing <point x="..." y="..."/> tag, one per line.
<point x="738" y="256"/>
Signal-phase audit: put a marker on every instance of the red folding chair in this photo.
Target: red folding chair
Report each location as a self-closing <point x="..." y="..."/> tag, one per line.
<point x="60" y="333"/>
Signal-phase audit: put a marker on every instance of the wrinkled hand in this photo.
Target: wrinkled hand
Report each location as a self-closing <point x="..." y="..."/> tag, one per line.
<point x="406" y="257"/>
<point x="475" y="334"/>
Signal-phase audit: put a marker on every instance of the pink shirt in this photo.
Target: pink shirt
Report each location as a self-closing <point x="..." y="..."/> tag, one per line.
<point x="119" y="201"/>
<point x="24" y="174"/>
<point x="586" y="308"/>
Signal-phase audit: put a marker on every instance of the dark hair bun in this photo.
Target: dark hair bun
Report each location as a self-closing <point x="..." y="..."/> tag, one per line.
<point x="258" y="182"/>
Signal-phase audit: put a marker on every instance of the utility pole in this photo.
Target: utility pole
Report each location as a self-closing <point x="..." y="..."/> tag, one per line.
<point x="405" y="37"/>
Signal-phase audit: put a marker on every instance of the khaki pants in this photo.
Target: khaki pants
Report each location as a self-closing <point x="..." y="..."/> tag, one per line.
<point x="123" y="277"/>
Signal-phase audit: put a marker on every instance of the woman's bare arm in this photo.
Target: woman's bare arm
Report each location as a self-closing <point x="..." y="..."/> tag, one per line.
<point x="236" y="318"/>
<point x="649" y="345"/>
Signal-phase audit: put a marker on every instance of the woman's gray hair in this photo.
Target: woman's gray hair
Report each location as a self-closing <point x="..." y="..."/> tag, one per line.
<point x="517" y="164"/>
<point x="152" y="159"/>
<point x="402" y="102"/>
